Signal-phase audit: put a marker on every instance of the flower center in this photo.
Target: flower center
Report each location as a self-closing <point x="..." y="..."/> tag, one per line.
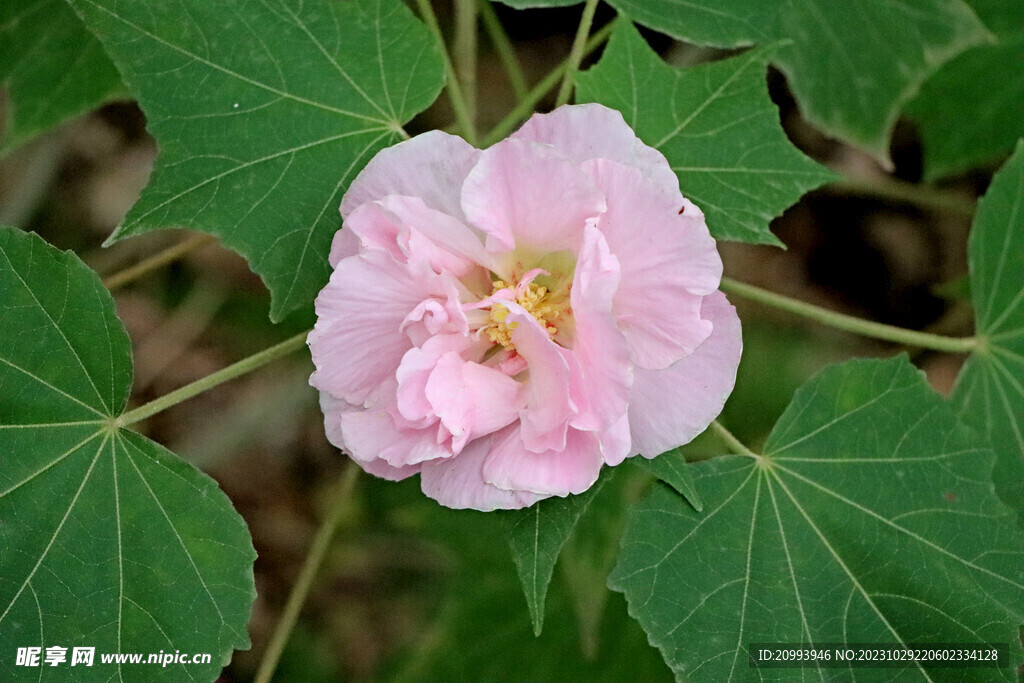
<point x="534" y="299"/>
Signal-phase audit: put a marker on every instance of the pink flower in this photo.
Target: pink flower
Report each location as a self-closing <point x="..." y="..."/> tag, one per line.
<point x="506" y="321"/>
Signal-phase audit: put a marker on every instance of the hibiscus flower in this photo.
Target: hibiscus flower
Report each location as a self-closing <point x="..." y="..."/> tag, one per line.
<point x="505" y="322"/>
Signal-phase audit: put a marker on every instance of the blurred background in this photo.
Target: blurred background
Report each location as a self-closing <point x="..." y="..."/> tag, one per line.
<point x="412" y="591"/>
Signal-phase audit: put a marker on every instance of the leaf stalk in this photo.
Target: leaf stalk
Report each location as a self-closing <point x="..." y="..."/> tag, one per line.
<point x="526" y="106"/>
<point x="156" y="261"/>
<point x="503" y="49"/>
<point x="737" y="446"/>
<point x="232" y="371"/>
<point x="892" y="189"/>
<point x="849" y="323"/>
<point x="455" y="94"/>
<point x="579" y="44"/>
<point x="464" y="49"/>
<point x="310" y="568"/>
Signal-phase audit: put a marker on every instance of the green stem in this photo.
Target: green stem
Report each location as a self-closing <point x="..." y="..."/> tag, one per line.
<point x="300" y="591"/>
<point x="158" y="260"/>
<point x="503" y="48"/>
<point x="232" y="371"/>
<point x="579" y="44"/>
<point x="464" y="49"/>
<point x="525" y="108"/>
<point x="731" y="441"/>
<point x="892" y="189"/>
<point x="455" y="95"/>
<point x="849" y="323"/>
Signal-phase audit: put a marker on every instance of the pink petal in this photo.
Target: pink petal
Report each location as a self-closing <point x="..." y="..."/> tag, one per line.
<point x="599" y="347"/>
<point x="458" y="482"/>
<point x="414" y="372"/>
<point x="669" y="262"/>
<point x="407" y="229"/>
<point x="472" y="400"/>
<point x="592" y="131"/>
<point x="616" y="442"/>
<point x="343" y="245"/>
<point x="527" y="195"/>
<point x="334" y="408"/>
<point x="372" y="435"/>
<point x="379" y="468"/>
<point x="439" y="313"/>
<point x="356" y="343"/>
<point x="573" y="469"/>
<point x="549" y="405"/>
<point x="431" y="166"/>
<point x="377" y="228"/>
<point x="670" y="407"/>
<point x="445" y="242"/>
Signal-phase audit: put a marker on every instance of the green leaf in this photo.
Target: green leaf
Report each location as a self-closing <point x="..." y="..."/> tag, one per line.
<point x="672" y="469"/>
<point x="871" y="517"/>
<point x="972" y="111"/>
<point x="536" y="536"/>
<point x="717" y="127"/>
<point x="109" y="540"/>
<point x="851" y="65"/>
<point x="264" y="112"/>
<point x="51" y="68"/>
<point x="989" y="392"/>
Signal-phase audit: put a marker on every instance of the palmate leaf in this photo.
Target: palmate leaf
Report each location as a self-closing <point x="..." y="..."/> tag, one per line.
<point x="50" y="66"/>
<point x="852" y="65"/>
<point x="989" y="393"/>
<point x="716" y="125"/>
<point x="264" y="111"/>
<point x="870" y="518"/>
<point x="108" y="540"/>
<point x="972" y="111"/>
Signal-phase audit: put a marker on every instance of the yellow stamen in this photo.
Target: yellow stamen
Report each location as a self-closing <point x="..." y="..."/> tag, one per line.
<point x="534" y="299"/>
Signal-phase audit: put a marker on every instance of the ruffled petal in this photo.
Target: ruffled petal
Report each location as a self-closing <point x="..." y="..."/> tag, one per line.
<point x="334" y="408"/>
<point x="431" y="166"/>
<point x="669" y="263"/>
<point x="592" y="131"/>
<point x="599" y="347"/>
<point x="668" y="408"/>
<point x="407" y="229"/>
<point x="458" y="482"/>
<point x="441" y="312"/>
<point x="356" y="343"/>
<point x="343" y="245"/>
<point x="573" y="469"/>
<point x="616" y="442"/>
<point x="549" y="404"/>
<point x="472" y="400"/>
<point x="448" y="244"/>
<point x="376" y="228"/>
<point x="372" y="435"/>
<point x="528" y="196"/>
<point x="379" y="468"/>
<point x="414" y="372"/>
